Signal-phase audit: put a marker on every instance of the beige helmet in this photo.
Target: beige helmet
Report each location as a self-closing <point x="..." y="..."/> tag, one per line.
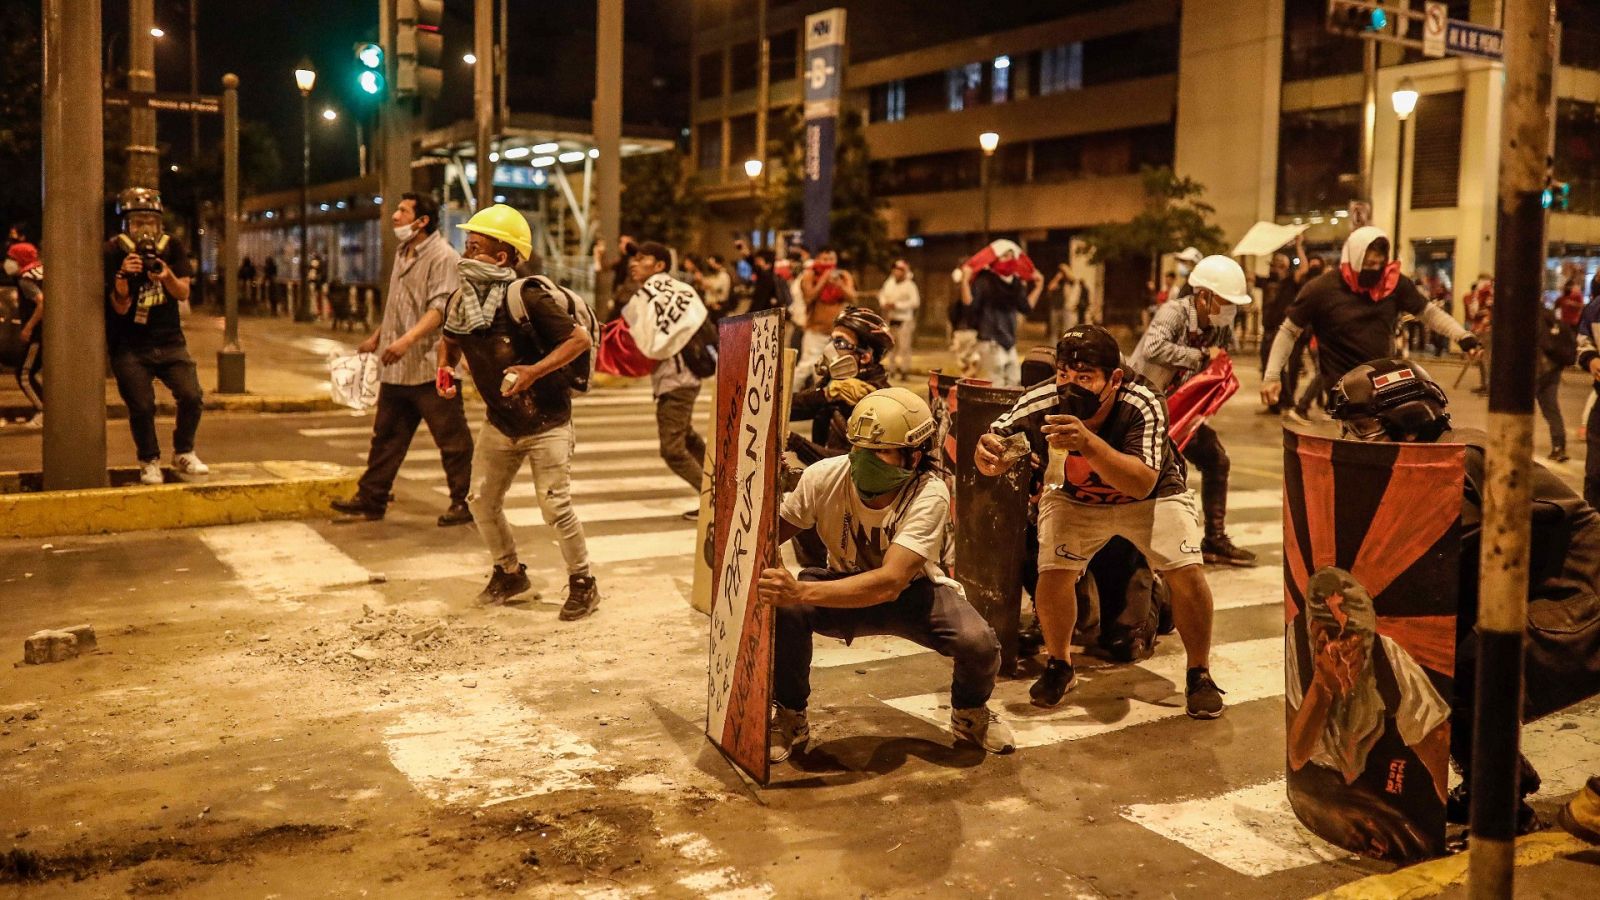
<point x="890" y="418"/>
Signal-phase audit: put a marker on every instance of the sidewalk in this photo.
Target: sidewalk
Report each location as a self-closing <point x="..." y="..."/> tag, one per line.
<point x="285" y="367"/>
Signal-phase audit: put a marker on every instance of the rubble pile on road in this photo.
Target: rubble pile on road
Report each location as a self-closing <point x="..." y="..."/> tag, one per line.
<point x="389" y="640"/>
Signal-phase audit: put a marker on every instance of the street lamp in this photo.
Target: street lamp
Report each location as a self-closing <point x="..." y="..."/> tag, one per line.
<point x="330" y="114"/>
<point x="470" y="59"/>
<point x="157" y="32"/>
<point x="989" y="141"/>
<point x="305" y="78"/>
<point x="1404" y="99"/>
<point x="752" y="171"/>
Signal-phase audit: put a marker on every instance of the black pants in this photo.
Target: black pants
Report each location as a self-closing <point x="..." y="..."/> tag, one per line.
<point x="1206" y="452"/>
<point x="1548" y="393"/>
<point x="401" y="408"/>
<point x="936" y="616"/>
<point x="1591" y="463"/>
<point x="28" y="374"/>
<point x="137" y="371"/>
<point x="682" y="448"/>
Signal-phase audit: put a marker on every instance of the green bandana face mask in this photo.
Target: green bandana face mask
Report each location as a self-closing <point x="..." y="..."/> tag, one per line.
<point x="873" y="476"/>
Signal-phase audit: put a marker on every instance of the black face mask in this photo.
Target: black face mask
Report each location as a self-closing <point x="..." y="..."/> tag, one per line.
<point x="1369" y="278"/>
<point x="1079" y="401"/>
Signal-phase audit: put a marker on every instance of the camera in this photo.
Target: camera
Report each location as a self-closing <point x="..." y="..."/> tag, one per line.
<point x="146" y="248"/>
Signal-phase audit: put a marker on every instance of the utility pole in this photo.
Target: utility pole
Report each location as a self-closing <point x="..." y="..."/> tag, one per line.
<point x="608" y="133"/>
<point x="194" y="81"/>
<point x="1503" y="590"/>
<point x="230" y="359"/>
<point x="1369" y="113"/>
<point x="144" y="163"/>
<point x="73" y="140"/>
<point x="483" y="96"/>
<point x="763" y="103"/>
<point x="394" y="138"/>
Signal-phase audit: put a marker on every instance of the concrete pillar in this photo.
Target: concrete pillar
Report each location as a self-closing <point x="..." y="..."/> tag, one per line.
<point x="144" y="159"/>
<point x="483" y="96"/>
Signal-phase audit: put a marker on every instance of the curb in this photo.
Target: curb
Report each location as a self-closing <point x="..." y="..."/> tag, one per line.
<point x="233" y="493"/>
<point x="241" y="403"/>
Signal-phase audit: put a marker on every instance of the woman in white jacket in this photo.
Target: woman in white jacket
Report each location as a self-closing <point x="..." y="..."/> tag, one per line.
<point x="899" y="299"/>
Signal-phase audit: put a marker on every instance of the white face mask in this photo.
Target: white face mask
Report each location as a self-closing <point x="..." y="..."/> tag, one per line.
<point x="405" y="232"/>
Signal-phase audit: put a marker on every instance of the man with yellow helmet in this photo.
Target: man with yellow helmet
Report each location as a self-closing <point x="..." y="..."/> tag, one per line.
<point x="883" y="514"/>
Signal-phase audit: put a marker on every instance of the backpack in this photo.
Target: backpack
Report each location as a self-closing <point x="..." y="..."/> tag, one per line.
<point x="1561" y="343"/>
<point x="580" y="371"/>
<point x="700" y="356"/>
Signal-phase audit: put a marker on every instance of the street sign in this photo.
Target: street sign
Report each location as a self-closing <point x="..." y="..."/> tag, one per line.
<point x="1435" y="16"/>
<point x="1466" y="39"/>
<point x="189" y="103"/>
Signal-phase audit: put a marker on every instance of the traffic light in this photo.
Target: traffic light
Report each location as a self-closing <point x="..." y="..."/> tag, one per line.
<point x="1557" y="195"/>
<point x="419" y="47"/>
<point x="1357" y="17"/>
<point x="369" y="77"/>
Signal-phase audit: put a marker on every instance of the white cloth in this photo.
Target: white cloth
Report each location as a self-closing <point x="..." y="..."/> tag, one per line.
<point x="899" y="300"/>
<point x="353" y="380"/>
<point x="663" y="315"/>
<point x="999" y="365"/>
<point x="857" y="536"/>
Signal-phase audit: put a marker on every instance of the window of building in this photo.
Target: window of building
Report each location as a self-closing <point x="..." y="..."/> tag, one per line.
<point x="1580" y="33"/>
<point x="1319" y="159"/>
<point x="708" y="135"/>
<point x="889" y="101"/>
<point x="927" y="94"/>
<point x="1436" y="150"/>
<point x="710" y="74"/>
<point x="1309" y="49"/>
<point x="783" y="56"/>
<point x="1059" y="69"/>
<point x="928" y="173"/>
<point x="1132" y="54"/>
<point x="744" y="63"/>
<point x="963" y="86"/>
<point x="1000" y="80"/>
<point x="1577" y="154"/>
<point x="741" y="139"/>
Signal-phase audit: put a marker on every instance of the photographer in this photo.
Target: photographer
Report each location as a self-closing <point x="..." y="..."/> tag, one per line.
<point x="147" y="277"/>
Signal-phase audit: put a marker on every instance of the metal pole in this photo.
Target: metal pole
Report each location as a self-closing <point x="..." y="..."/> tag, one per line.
<point x="1369" y="113"/>
<point x="608" y="133"/>
<point x="502" y="66"/>
<point x="144" y="163"/>
<point x="73" y="140"/>
<point x="361" y="146"/>
<point x="230" y="359"/>
<point x="1507" y="509"/>
<point x="483" y="95"/>
<point x="984" y="176"/>
<point x="1399" y="183"/>
<point x="194" y="80"/>
<point x="394" y="148"/>
<point x="303" y="311"/>
<point x="763" y="104"/>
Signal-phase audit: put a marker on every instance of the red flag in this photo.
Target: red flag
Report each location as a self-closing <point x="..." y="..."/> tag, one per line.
<point x="1199" y="398"/>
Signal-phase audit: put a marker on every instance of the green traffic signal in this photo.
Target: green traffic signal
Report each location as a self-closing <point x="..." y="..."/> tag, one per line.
<point x="370" y="55"/>
<point x="370" y="82"/>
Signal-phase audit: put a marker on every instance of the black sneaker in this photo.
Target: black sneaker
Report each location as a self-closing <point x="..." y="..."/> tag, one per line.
<point x="1220" y="551"/>
<point x="1202" y="698"/>
<point x="457" y="514"/>
<point x="360" y="507"/>
<point x="503" y="585"/>
<point x="582" y="597"/>
<point x="1559" y="455"/>
<point x="1057" y="680"/>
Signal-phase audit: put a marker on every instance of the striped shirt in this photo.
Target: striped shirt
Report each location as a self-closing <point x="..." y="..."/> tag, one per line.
<point x="424" y="278"/>
<point x="1136" y="425"/>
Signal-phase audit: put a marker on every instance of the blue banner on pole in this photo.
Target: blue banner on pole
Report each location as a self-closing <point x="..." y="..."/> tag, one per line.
<point x="824" y="78"/>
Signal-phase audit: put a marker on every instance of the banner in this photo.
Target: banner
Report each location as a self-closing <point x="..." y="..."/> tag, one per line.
<point x="824" y="77"/>
<point x="991" y="549"/>
<point x="663" y="315"/>
<point x="748" y="444"/>
<point x="1371" y="552"/>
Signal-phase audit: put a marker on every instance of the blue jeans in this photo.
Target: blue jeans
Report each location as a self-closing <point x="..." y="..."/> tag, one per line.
<point x="137" y="370"/>
<point x="935" y="615"/>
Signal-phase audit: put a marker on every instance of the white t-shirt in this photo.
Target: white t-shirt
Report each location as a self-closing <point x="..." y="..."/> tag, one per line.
<point x="857" y="536"/>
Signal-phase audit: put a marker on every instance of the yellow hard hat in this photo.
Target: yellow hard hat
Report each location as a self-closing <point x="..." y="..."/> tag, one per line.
<point x="502" y="223"/>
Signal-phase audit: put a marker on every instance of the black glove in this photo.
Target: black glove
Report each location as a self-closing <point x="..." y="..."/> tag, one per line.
<point x="1469" y="343"/>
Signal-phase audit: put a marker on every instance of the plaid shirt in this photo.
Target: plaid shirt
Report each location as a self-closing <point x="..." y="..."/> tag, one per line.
<point x="424" y="278"/>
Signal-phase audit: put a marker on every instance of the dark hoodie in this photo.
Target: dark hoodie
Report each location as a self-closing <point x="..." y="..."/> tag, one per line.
<point x="1353" y="325"/>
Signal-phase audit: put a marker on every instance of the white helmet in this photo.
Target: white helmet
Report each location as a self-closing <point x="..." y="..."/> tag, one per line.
<point x="1223" y="277"/>
<point x="1190" y="255"/>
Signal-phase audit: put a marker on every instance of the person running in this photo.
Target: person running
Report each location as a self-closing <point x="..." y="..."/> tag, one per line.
<point x="674" y="387"/>
<point x="1185" y="336"/>
<point x="1112" y="471"/>
<point x="518" y="369"/>
<point x="884" y="514"/>
<point x="998" y="284"/>
<point x="147" y="278"/>
<point x="24" y="258"/>
<point x="1353" y="312"/>
<point x="422" y="281"/>
<point x="899" y="300"/>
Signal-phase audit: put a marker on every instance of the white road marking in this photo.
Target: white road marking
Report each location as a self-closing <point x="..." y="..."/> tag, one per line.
<point x="1236" y="588"/>
<point x="432" y="453"/>
<point x="524" y="488"/>
<point x="828" y="653"/>
<point x="1113" y="697"/>
<point x="620" y="511"/>
<point x="615" y="548"/>
<point x="582" y="468"/>
<point x="1253" y="831"/>
<point x="1257" y="534"/>
<point x="1261" y="498"/>
<point x="608" y="399"/>
<point x="282" y="560"/>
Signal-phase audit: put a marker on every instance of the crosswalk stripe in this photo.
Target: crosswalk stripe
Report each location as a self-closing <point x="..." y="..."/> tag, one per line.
<point x="629" y="399"/>
<point x="1113" y="697"/>
<point x="671" y="545"/>
<point x="583" y="467"/>
<point x="1261" y="498"/>
<point x="829" y="653"/>
<point x="1253" y="830"/>
<point x="524" y="488"/>
<point x="432" y="453"/>
<point x="282" y="560"/>
<point x="621" y="511"/>
<point x="1235" y="588"/>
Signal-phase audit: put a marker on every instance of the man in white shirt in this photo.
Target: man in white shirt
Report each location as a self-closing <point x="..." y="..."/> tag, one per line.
<point x="884" y="515"/>
<point x="899" y="299"/>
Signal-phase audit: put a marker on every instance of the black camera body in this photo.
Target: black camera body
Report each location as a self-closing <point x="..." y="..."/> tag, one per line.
<point x="149" y="256"/>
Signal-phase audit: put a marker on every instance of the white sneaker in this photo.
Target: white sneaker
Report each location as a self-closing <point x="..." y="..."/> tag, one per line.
<point x="150" y="472"/>
<point x="189" y="464"/>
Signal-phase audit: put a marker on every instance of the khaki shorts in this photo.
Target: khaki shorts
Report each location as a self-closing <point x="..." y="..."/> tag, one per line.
<point x="1166" y="530"/>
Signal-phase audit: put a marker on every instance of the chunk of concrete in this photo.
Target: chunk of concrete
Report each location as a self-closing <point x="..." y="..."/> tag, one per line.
<point x="49" y="646"/>
<point x="85" y="636"/>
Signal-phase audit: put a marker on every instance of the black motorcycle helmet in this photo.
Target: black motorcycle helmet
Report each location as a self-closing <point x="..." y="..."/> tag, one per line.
<point x="1390" y="399"/>
<point x="871" y="331"/>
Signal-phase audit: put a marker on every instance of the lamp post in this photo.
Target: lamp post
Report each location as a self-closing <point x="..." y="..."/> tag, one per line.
<point x="305" y="78"/>
<point x="989" y="141"/>
<point x="1404" y="99"/>
<point x="752" y="171"/>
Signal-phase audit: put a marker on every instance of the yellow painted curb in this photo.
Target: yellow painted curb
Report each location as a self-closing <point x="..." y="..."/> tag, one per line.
<point x="233" y="493"/>
<point x="1428" y="879"/>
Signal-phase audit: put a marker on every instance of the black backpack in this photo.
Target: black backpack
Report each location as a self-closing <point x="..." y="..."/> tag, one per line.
<point x="1559" y="341"/>
<point x="580" y="370"/>
<point x="700" y="355"/>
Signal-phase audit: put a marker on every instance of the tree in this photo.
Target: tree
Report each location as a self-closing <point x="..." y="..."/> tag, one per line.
<point x="21" y="70"/>
<point x="659" y="201"/>
<point x="1174" y="217"/>
<point x="855" y="227"/>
